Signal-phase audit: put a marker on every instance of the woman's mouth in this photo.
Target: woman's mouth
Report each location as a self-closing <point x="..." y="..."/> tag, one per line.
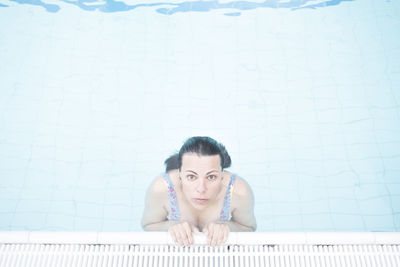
<point x="200" y="200"/>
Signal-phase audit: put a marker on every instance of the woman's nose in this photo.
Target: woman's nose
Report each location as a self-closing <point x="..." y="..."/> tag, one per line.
<point x="201" y="186"/>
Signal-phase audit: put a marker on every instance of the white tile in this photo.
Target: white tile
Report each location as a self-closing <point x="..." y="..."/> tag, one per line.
<point x="63" y="237"/>
<point x="14" y="237"/>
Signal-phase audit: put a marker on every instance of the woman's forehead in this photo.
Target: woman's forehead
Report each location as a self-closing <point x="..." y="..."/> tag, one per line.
<point x="194" y="160"/>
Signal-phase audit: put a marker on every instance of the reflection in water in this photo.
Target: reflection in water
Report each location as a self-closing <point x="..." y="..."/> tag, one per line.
<point x="49" y="7"/>
<point x="186" y="6"/>
<point x="233" y="14"/>
<point x="324" y="4"/>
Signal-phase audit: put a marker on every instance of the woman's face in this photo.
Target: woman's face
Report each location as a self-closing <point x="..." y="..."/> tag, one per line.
<point x="201" y="179"/>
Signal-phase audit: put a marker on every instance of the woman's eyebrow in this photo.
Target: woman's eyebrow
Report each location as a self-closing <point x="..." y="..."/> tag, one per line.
<point x="206" y="173"/>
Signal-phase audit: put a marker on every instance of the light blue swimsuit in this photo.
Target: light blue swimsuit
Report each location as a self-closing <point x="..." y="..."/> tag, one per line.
<point x="175" y="215"/>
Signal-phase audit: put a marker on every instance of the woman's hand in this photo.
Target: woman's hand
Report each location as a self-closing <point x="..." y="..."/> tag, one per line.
<point x="216" y="233"/>
<point x="182" y="233"/>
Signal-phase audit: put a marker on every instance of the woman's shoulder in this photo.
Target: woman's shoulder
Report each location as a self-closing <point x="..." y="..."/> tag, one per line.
<point x="159" y="185"/>
<point x="174" y="177"/>
<point x="241" y="187"/>
<point x="241" y="194"/>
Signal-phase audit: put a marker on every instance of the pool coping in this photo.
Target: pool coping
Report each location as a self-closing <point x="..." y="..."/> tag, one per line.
<point x="254" y="238"/>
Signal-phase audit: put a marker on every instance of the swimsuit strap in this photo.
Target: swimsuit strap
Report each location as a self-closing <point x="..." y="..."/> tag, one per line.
<point x="224" y="215"/>
<point x="174" y="214"/>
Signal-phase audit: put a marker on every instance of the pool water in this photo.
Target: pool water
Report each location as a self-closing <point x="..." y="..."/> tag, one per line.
<point x="95" y="95"/>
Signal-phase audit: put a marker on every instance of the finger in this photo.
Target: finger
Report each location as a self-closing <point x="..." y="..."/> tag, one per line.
<point x="211" y="234"/>
<point x="188" y="239"/>
<point x="216" y="235"/>
<point x="205" y="231"/>
<point x="185" y="233"/>
<point x="223" y="235"/>
<point x="226" y="235"/>
<point x="180" y="235"/>
<point x="220" y="236"/>
<point x="171" y="230"/>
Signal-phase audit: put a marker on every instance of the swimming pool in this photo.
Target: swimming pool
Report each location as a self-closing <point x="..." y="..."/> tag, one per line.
<point x="96" y="94"/>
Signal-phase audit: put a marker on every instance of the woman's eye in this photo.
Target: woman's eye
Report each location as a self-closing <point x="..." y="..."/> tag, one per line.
<point x="190" y="177"/>
<point x="212" y="177"/>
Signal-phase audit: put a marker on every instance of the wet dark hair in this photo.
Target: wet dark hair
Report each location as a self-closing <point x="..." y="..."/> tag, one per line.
<point x="201" y="145"/>
<point x="172" y="162"/>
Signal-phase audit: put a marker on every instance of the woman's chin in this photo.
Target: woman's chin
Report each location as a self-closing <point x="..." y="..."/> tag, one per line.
<point x="199" y="205"/>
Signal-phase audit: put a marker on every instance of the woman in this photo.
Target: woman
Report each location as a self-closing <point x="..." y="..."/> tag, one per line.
<point x="196" y="193"/>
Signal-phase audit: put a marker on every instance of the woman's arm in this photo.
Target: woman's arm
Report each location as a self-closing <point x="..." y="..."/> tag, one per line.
<point x="243" y="218"/>
<point x="155" y="214"/>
